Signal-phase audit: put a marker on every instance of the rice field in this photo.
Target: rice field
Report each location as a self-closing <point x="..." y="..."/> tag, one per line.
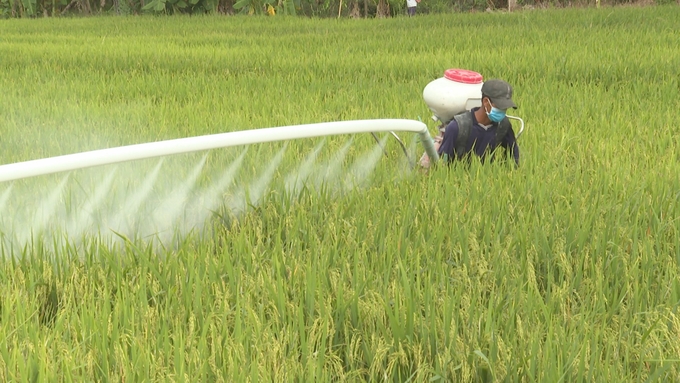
<point x="564" y="269"/>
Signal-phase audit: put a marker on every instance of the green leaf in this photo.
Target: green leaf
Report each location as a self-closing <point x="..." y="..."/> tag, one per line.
<point x="480" y="354"/>
<point x="289" y="6"/>
<point x="182" y="4"/>
<point x="241" y="3"/>
<point x="150" y="5"/>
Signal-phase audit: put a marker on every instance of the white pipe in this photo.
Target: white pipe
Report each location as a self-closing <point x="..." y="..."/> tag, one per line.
<point x="221" y="140"/>
<point x="521" y="121"/>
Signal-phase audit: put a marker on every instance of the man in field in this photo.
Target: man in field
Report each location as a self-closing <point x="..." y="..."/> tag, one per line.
<point x="480" y="130"/>
<point x="411" y="7"/>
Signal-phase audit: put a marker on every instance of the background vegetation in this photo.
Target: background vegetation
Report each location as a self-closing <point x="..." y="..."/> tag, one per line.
<point x="310" y="8"/>
<point x="565" y="269"/>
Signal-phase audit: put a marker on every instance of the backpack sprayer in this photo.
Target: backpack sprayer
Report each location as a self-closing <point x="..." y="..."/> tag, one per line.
<point x="458" y="91"/>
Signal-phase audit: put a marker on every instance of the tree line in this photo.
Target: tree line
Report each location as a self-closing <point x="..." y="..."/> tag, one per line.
<point x="310" y="8"/>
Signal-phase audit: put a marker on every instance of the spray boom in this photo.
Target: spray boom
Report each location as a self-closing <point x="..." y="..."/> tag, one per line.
<point x="108" y="156"/>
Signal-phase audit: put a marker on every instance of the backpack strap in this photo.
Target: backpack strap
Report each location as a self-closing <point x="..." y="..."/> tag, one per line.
<point x="464" y="121"/>
<point x="503" y="128"/>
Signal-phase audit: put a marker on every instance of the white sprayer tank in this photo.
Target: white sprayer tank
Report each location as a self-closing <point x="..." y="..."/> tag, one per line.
<point x="459" y="90"/>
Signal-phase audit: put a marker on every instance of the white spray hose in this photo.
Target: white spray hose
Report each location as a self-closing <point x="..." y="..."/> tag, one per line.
<point x="119" y="154"/>
<point x="521" y="129"/>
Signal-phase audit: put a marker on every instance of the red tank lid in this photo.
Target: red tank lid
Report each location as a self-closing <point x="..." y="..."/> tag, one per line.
<point x="464" y="76"/>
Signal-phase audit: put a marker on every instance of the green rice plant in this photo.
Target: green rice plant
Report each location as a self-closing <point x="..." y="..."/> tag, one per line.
<point x="564" y="269"/>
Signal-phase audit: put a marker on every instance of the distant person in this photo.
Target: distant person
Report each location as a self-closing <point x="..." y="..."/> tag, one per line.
<point x="411" y="7"/>
<point x="480" y="130"/>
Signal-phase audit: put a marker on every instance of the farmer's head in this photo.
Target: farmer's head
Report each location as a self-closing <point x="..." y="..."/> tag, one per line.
<point x="497" y="99"/>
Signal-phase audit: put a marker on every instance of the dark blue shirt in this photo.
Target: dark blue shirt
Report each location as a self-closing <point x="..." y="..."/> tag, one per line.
<point x="481" y="141"/>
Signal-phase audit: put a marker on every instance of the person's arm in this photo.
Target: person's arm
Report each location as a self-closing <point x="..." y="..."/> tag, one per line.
<point x="510" y="145"/>
<point x="448" y="147"/>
